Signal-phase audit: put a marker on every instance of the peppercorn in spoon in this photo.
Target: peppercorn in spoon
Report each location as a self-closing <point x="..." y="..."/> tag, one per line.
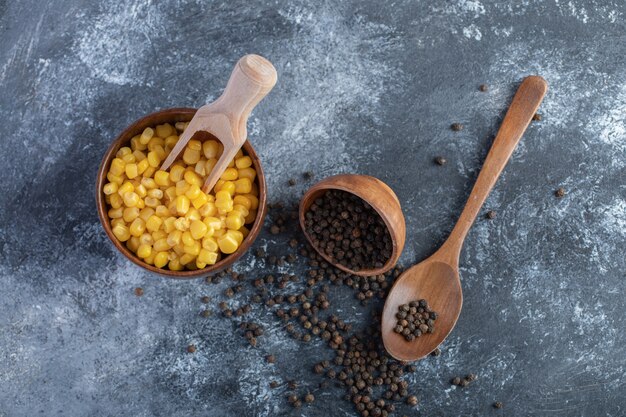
<point x="436" y="279"/>
<point x="226" y="118"/>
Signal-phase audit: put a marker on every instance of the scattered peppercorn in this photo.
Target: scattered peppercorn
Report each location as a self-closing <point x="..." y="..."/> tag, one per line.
<point x="440" y="160"/>
<point x="414" y="319"/>
<point x="456" y="127"/>
<point x="308" y="175"/>
<point x="205" y="299"/>
<point x="191" y="348"/>
<point x="270" y="359"/>
<point x="537" y="117"/>
<point x="138" y="291"/>
<point x="292" y="182"/>
<point x="560" y="192"/>
<point x="274" y="384"/>
<point x="436" y="352"/>
<point x="498" y="405"/>
<point x="412" y="400"/>
<point x="483" y="87"/>
<point x="206" y="313"/>
<point x="491" y="215"/>
<point x="309" y="398"/>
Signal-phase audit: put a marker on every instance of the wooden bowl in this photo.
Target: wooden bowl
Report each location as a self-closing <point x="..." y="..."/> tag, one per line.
<point x="172" y="116"/>
<point x="378" y="195"/>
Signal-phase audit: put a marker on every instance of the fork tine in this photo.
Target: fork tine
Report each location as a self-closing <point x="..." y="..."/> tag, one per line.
<point x="219" y="168"/>
<point x="191" y="129"/>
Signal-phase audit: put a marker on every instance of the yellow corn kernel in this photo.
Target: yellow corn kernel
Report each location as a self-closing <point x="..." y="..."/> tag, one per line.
<point x="211" y="149"/>
<point x="153" y="159"/>
<point x="209" y="243"/>
<point x="192" y="178"/>
<point x="131" y="199"/>
<point x="179" y="249"/>
<point x="193" y="192"/>
<point x="187" y="238"/>
<point x="117" y="166"/>
<point x="116" y="200"/>
<point x="145" y="213"/>
<point x="121" y="232"/>
<point x="222" y="196"/>
<point x="149" y="172"/>
<point x="237" y="235"/>
<point x="186" y="258"/>
<point x="198" y="201"/>
<point x="182" y="224"/>
<point x="139" y="156"/>
<point x="229" y="187"/>
<point x="217" y="233"/>
<point x="115" y="222"/>
<point x="142" y="166"/>
<point x="154" y="223"/>
<point x="174" y="238"/>
<point x="162" y="178"/>
<point x="161" y="259"/>
<point x="137" y="227"/>
<point x="200" y="167"/>
<point x="200" y="265"/>
<point x="149" y="183"/>
<point x="130" y="214"/>
<point x="154" y="192"/>
<point x="243" y="162"/>
<point x="231" y="164"/>
<point x="198" y="229"/>
<point x="254" y="201"/>
<point x="234" y="221"/>
<point x="136" y="145"/>
<point x="208" y="209"/>
<point x="125" y="188"/>
<point x="223" y="207"/>
<point x="162" y="211"/>
<point x="116" y="213"/>
<point x="170" y="193"/>
<point x="193" y="249"/>
<point x="196" y="145"/>
<point x="176" y="173"/>
<point x="209" y="165"/>
<point x="146" y="135"/>
<point x="152" y="202"/>
<point x="243" y="186"/>
<point x="213" y="223"/>
<point x="110" y="188"/>
<point x="164" y="130"/>
<point x="146" y="239"/>
<point x="143" y="251"/>
<point x="181" y="187"/>
<point x="168" y="224"/>
<point x="241" y="209"/>
<point x="255" y="189"/>
<point x="230" y="174"/>
<point x="159" y="234"/>
<point x="129" y="158"/>
<point x="141" y="190"/>
<point x="244" y="233"/>
<point x="249" y="173"/>
<point x="191" y="156"/>
<point x="239" y="154"/>
<point x="118" y="179"/>
<point x="242" y="200"/>
<point x="207" y="257"/>
<point x="123" y="151"/>
<point x="250" y="217"/>
<point x="227" y="243"/>
<point x="161" y="245"/>
<point x="182" y="205"/>
<point x="175" y="265"/>
<point x="193" y="214"/>
<point x="133" y="243"/>
<point x="171" y="141"/>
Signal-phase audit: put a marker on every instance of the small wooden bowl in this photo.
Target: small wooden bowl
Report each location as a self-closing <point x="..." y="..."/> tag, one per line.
<point x="173" y="116"/>
<point x="378" y="195"/>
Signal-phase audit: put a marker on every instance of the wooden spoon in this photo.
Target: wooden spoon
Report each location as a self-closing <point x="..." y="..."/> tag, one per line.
<point x="436" y="279"/>
<point x="226" y="118"/>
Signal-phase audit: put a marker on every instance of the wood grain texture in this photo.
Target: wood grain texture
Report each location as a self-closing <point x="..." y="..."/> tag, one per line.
<point x="172" y="116"/>
<point x="226" y="118"/>
<point x="378" y="195"/>
<point x="436" y="279"/>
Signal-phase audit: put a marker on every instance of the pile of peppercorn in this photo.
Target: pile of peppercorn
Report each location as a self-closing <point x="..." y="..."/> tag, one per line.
<point x="348" y="230"/>
<point x="414" y="320"/>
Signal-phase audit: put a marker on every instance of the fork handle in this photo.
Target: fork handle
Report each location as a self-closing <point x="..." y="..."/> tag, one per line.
<point x="252" y="78"/>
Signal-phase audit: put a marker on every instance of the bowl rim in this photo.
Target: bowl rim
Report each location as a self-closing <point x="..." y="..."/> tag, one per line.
<point x="173" y="115"/>
<point x="397" y="233"/>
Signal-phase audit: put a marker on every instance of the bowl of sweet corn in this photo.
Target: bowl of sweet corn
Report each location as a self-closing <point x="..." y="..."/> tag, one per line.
<point x="162" y="220"/>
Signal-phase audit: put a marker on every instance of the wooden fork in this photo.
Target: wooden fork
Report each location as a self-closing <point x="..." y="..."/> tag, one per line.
<point x="226" y="118"/>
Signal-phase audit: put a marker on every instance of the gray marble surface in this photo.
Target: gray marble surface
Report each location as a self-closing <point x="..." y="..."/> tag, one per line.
<point x="365" y="87"/>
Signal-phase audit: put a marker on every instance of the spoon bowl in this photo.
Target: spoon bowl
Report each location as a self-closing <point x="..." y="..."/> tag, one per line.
<point x="437" y="278"/>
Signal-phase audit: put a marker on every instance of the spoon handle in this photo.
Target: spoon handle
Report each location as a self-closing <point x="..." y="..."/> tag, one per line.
<point x="523" y="107"/>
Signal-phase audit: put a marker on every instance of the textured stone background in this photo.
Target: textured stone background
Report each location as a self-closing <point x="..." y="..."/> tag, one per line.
<point x="364" y="87"/>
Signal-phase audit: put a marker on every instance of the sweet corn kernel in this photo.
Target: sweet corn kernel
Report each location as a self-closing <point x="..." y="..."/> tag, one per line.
<point x="146" y="135"/>
<point x="211" y="149"/>
<point x="250" y="217"/>
<point x="193" y="249"/>
<point x="182" y="224"/>
<point x="130" y="214"/>
<point x="191" y="156"/>
<point x="161" y="259"/>
<point x="182" y="204"/>
<point x="181" y="187"/>
<point x="115" y="222"/>
<point x="149" y="172"/>
<point x="136" y="144"/>
<point x="154" y="223"/>
<point x="230" y="174"/>
<point x="117" y="167"/>
<point x="243" y="186"/>
<point x="162" y="178"/>
<point x="141" y="190"/>
<point x="133" y="243"/>
<point x="129" y="158"/>
<point x="137" y="227"/>
<point x="110" y="188"/>
<point x="217" y="233"/>
<point x="243" y="162"/>
<point x="192" y="178"/>
<point x="237" y="235"/>
<point x="208" y="209"/>
<point x="174" y="238"/>
<point x="210" y="164"/>
<point x="115" y="178"/>
<point x="200" y="167"/>
<point x="176" y="173"/>
<point x="227" y="243"/>
<point x="168" y="224"/>
<point x="142" y="166"/>
<point x="143" y="251"/>
<point x="170" y="193"/>
<point x="131" y="199"/>
<point x="249" y="173"/>
<point x="187" y="238"/>
<point x="196" y="145"/>
<point x="139" y="156"/>
<point x="198" y="229"/>
<point x="161" y="245"/>
<point x="116" y="213"/>
<point x="242" y="200"/>
<point x="152" y="202"/>
<point x="146" y="239"/>
<point x="193" y="214"/>
<point x="154" y="192"/>
<point x="187" y="258"/>
<point x="153" y="159"/>
<point x="159" y="234"/>
<point x="209" y="243"/>
<point x="175" y="265"/>
<point x="244" y="233"/>
<point x="149" y="183"/>
<point x="116" y="200"/>
<point x="123" y="151"/>
<point x="164" y="130"/>
<point x="254" y="201"/>
<point x="145" y="213"/>
<point x="229" y="187"/>
<point x="193" y="192"/>
<point x="179" y="249"/>
<point x="125" y="188"/>
<point x="200" y="200"/>
<point x="238" y="155"/>
<point x="234" y="222"/>
<point x="121" y="232"/>
<point x="237" y="208"/>
<point x="207" y="257"/>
